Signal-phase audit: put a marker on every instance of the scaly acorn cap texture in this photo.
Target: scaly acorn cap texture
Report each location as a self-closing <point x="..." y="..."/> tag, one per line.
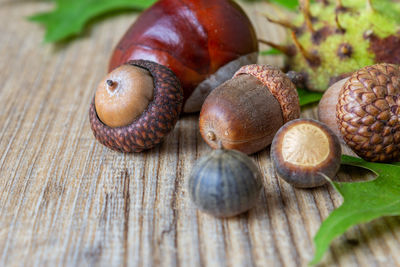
<point x="368" y="111"/>
<point x="156" y="121"/>
<point x="280" y="86"/>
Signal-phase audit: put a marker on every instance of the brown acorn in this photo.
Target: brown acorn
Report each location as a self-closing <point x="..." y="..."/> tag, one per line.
<point x="244" y="113"/>
<point x="136" y="106"/>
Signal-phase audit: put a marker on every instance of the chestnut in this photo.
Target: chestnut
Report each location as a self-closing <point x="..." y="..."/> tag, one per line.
<point x="202" y="41"/>
<point x="363" y="110"/>
<point x="225" y="183"/>
<point x="244" y="113"/>
<point x="304" y="152"/>
<point x="135" y="106"/>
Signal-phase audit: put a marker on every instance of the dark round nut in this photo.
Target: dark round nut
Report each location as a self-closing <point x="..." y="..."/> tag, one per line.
<point x="245" y="112"/>
<point x="367" y="112"/>
<point x="225" y="183"/>
<point x="156" y="120"/>
<point x="305" y="150"/>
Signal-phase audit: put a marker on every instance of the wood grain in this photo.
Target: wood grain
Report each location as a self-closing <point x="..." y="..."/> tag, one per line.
<point x="66" y="200"/>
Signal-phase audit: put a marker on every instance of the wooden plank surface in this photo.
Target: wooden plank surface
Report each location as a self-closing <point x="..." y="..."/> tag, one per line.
<point x="67" y="200"/>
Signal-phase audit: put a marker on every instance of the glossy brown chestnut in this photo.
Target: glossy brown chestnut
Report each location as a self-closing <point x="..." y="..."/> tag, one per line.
<point x="245" y="112"/>
<point x="304" y="152"/>
<point x="195" y="39"/>
<point x="143" y="118"/>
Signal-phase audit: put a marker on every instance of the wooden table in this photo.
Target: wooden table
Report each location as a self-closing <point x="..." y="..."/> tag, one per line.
<point x="67" y="200"/>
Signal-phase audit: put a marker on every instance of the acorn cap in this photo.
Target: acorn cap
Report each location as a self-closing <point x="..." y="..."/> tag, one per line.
<point x="367" y="112"/>
<point x="279" y="85"/>
<point x="156" y="121"/>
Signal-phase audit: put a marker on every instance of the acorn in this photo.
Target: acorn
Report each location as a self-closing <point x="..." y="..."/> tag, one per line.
<point x="366" y="113"/>
<point x="304" y="152"/>
<point x="245" y="112"/>
<point x="225" y="183"/>
<point x="136" y="106"/>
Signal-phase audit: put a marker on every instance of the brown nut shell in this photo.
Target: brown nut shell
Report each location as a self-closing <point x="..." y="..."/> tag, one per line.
<point x="157" y="120"/>
<point x="303" y="150"/>
<point x="368" y="112"/>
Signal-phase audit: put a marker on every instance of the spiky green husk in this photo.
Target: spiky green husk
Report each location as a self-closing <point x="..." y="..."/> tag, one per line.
<point x="357" y="19"/>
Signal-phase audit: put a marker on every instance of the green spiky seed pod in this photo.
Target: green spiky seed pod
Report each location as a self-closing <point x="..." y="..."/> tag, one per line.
<point x="331" y="39"/>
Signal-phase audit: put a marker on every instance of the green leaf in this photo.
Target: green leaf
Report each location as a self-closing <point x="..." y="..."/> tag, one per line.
<point x="289" y="4"/>
<point x="363" y="202"/>
<point x="307" y="97"/>
<point x="70" y="16"/>
<point x="271" y="52"/>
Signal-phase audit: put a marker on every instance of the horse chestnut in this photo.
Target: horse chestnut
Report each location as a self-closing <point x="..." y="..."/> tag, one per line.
<point x="202" y="41"/>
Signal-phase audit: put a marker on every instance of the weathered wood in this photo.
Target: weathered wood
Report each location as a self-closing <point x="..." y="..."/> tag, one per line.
<point x="67" y="200"/>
